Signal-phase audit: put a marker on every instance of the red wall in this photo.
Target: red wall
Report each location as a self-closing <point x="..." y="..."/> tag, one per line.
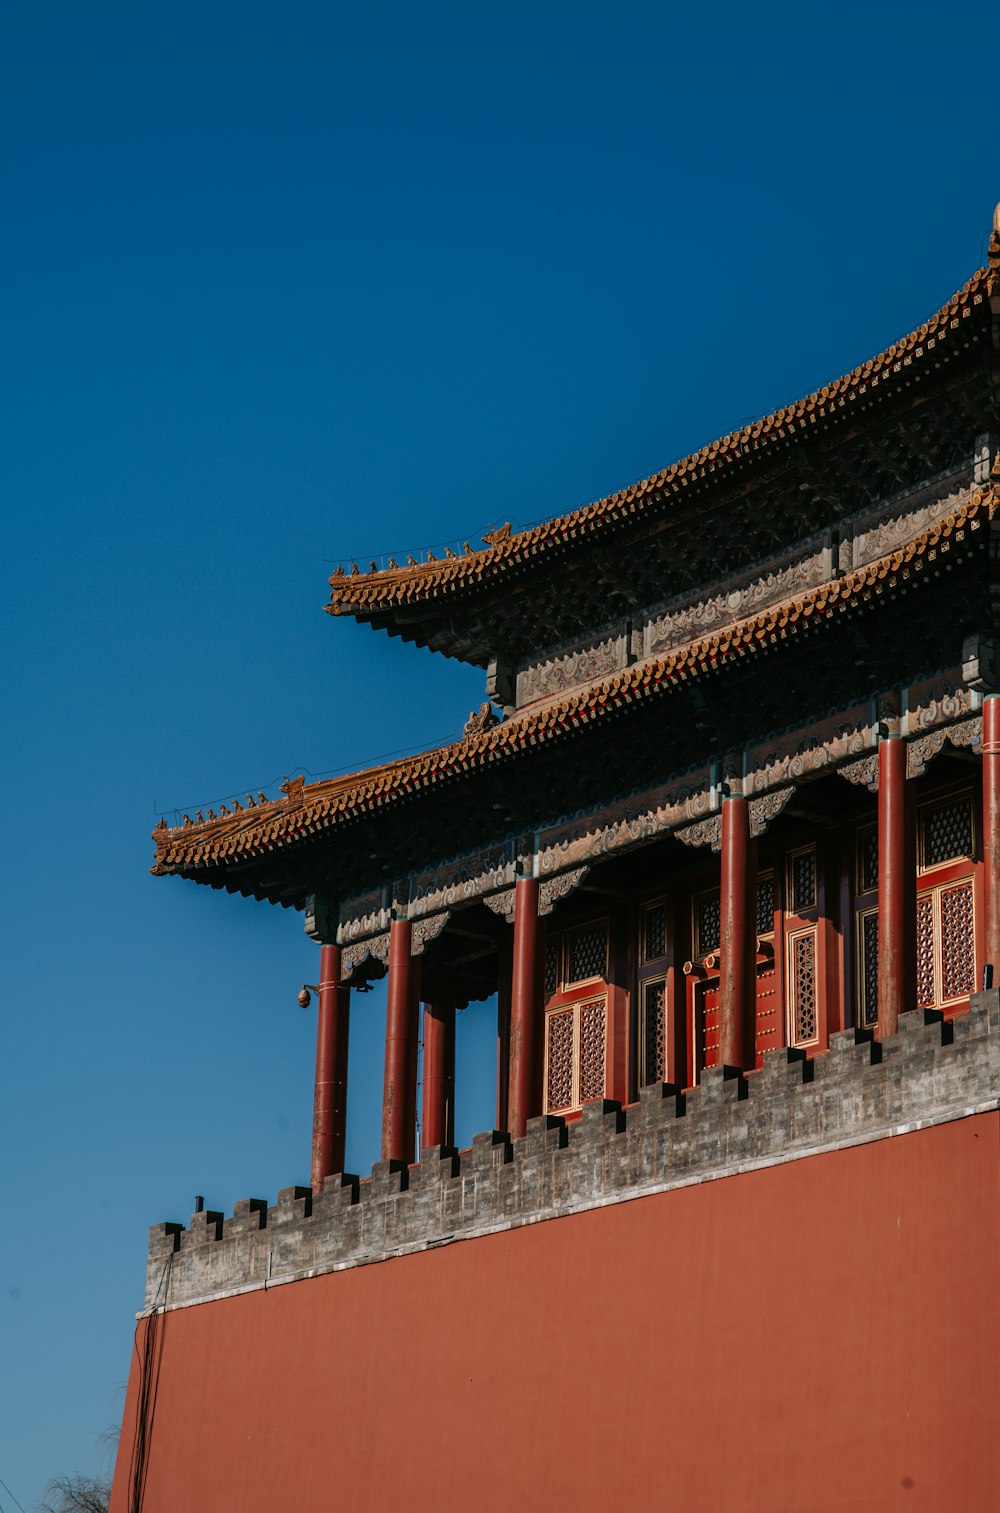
<point x="819" y="1336"/>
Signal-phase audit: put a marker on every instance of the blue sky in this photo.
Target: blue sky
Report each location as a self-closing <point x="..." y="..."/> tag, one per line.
<point x="287" y="284"/>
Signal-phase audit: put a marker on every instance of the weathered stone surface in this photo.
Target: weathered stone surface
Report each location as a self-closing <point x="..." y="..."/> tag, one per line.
<point x="932" y="1071"/>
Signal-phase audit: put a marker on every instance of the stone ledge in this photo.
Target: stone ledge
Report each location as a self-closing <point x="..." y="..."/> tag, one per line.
<point x="932" y="1071"/>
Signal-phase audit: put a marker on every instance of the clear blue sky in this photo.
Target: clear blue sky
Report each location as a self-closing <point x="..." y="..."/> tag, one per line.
<point x="286" y="283"/>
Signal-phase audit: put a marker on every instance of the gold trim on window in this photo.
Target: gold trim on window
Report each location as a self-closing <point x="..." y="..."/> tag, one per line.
<point x="576" y="1054"/>
<point x="567" y="980"/>
<point x="796" y="874"/>
<point x="935" y="809"/>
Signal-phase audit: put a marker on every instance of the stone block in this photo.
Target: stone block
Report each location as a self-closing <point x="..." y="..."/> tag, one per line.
<point x="546" y="1132"/>
<point x="249" y="1216"/>
<point x="389" y="1178"/>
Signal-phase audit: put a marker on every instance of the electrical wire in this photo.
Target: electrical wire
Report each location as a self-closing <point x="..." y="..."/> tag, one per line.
<point x="9" y="1494"/>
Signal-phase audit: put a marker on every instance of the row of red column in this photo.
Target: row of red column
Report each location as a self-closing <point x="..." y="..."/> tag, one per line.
<point x="897" y="898"/>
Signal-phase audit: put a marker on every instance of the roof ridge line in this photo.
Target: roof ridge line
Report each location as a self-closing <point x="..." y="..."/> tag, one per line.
<point x="352" y="590"/>
<point x="678" y="665"/>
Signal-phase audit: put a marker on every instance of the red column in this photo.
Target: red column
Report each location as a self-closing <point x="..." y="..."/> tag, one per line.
<point x="991" y="831"/>
<point x="897" y="888"/>
<point x="333" y="1025"/>
<point x="399" y="1097"/>
<point x="525" y="999"/>
<point x="738" y="937"/>
<point x="439" y="1072"/>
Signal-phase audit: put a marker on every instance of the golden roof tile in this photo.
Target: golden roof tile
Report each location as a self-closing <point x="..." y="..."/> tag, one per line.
<point x="358" y="593"/>
<point x="309" y="809"/>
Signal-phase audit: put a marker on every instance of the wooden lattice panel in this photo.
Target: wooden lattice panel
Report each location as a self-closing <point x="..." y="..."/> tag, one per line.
<point x="802" y="879"/>
<point x="926" y="952"/>
<point x="802" y="976"/>
<point x="707" y="923"/>
<point x="592" y="1051"/>
<point x="654" y="1031"/>
<point x="958" y="941"/>
<point x="868" y="861"/>
<point x="559" y="1075"/>
<point x="946" y="831"/>
<point x="868" y="964"/>
<point x="654" y="932"/>
<point x="587" y="953"/>
<point x="765" y="904"/>
<point x="551" y="966"/>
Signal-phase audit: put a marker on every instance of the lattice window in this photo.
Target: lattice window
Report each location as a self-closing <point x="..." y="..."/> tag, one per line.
<point x="868" y="860"/>
<point x="559" y="1061"/>
<point x="707" y="923"/>
<point x="926" y="952"/>
<point x="946" y="944"/>
<point x="654" y="932"/>
<point x="802" y="881"/>
<point x="958" y="941"/>
<point x="946" y="831"/>
<point x="765" y="904"/>
<point x="587" y="952"/>
<point x="575" y="1055"/>
<point x="868" y="967"/>
<point x="654" y="1031"/>
<point x="551" y="966"/>
<point x="802" y="982"/>
<point x="591" y="1051"/>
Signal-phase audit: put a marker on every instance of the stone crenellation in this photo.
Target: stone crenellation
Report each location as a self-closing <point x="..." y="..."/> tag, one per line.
<point x="934" y="1070"/>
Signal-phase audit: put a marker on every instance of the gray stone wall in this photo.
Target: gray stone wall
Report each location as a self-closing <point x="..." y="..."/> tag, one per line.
<point x="931" y="1072"/>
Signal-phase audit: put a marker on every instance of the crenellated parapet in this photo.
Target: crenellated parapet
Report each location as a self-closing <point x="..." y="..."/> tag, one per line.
<point x="932" y="1071"/>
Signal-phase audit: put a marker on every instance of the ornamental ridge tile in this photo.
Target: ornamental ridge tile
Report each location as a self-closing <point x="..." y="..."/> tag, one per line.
<point x="308" y="809"/>
<point x="358" y="593"/>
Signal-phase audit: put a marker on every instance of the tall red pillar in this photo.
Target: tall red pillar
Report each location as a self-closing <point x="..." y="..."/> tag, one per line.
<point x="438" y="1113"/>
<point x="525" y="1004"/>
<point x="738" y="937"/>
<point x="333" y="1025"/>
<point x="897" y="888"/>
<point x="991" y="832"/>
<point x="399" y="1096"/>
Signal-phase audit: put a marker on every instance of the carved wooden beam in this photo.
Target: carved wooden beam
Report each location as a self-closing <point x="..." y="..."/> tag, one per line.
<point x="554" y="889"/>
<point x="502" y="904"/>
<point x="767" y="808"/>
<point x="426" y="930"/>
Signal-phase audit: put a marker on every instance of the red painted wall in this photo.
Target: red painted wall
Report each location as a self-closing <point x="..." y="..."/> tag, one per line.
<point x="819" y="1336"/>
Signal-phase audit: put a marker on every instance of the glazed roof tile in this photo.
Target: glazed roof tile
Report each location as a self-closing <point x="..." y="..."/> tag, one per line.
<point x="382" y="591"/>
<point x="310" y="809"/>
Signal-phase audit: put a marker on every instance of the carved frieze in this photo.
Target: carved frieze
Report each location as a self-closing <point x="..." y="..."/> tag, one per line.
<point x="630" y="821"/>
<point x="921" y="750"/>
<point x="707" y="832"/>
<point x="738" y="599"/>
<point x="937" y="702"/>
<point x="967" y="733"/>
<point x="864" y="773"/>
<point x="461" y="880"/>
<point x="376" y="948"/>
<point x="877" y="533"/>
<point x="583" y="662"/>
<point x="426" y="930"/>
<point x="554" y="889"/>
<point x="365" y="914"/>
<point x="767" y="808"/>
<point x="502" y="904"/>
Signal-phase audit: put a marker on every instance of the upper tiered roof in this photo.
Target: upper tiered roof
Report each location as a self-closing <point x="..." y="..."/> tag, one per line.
<point x="475" y="605"/>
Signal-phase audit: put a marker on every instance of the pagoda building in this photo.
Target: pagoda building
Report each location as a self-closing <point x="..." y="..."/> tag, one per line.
<point x="723" y="843"/>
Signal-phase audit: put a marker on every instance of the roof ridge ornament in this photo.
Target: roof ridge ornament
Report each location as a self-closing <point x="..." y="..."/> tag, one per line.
<point x="502" y="533"/>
